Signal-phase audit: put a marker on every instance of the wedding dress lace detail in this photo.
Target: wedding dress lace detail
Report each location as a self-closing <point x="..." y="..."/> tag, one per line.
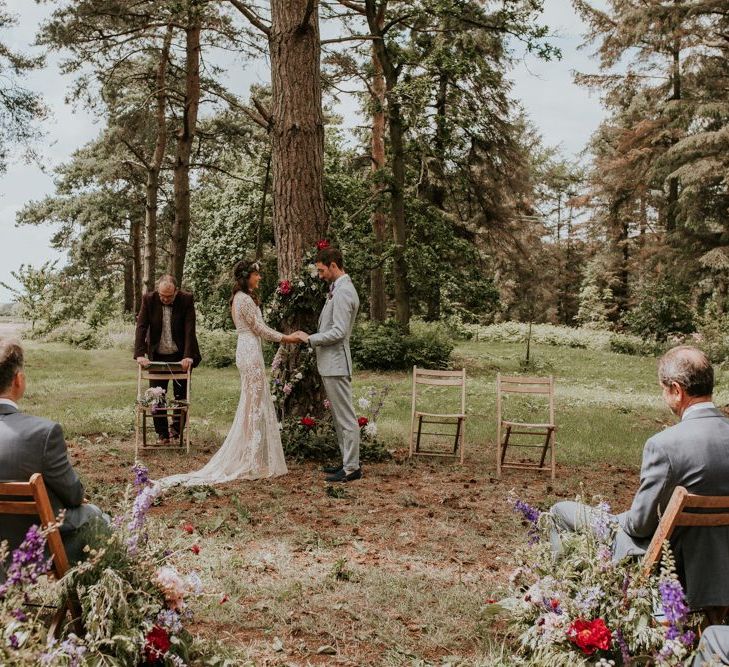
<point x="252" y="449"/>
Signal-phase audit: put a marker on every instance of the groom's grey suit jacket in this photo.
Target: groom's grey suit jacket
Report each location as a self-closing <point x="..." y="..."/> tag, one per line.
<point x="28" y="445"/>
<point x="695" y="454"/>
<point x="336" y="321"/>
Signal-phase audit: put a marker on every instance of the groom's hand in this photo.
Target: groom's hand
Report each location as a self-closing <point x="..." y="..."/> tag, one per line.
<point x="302" y="336"/>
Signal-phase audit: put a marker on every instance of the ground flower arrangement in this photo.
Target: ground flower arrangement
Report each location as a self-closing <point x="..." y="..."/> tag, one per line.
<point x="136" y="603"/>
<point x="581" y="608"/>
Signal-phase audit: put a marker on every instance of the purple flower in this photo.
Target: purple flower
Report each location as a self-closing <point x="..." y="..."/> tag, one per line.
<point x="14" y="642"/>
<point x="28" y="561"/>
<point x="601" y="522"/>
<point x="19" y="615"/>
<point x="141" y="506"/>
<point x="141" y="475"/>
<point x="624" y="650"/>
<point x="170" y="620"/>
<point x="673" y="601"/>
<point x="530" y="514"/>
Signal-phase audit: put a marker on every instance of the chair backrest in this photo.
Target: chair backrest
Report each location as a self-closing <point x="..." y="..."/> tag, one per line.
<point x="170" y="371"/>
<point x="31" y="498"/>
<point x="715" y="513"/>
<point x="440" y="378"/>
<point x="520" y="384"/>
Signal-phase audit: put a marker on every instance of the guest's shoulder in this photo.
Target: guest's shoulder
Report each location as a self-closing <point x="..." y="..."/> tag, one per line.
<point x="188" y="297"/>
<point x="30" y="424"/>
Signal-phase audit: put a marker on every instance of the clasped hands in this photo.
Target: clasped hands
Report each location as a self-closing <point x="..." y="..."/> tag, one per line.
<point x="296" y="337"/>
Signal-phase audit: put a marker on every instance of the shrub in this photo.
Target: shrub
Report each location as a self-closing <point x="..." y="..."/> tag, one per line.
<point x="661" y="310"/>
<point x="625" y="344"/>
<point x="386" y="346"/>
<point x="217" y="347"/>
<point x="713" y="337"/>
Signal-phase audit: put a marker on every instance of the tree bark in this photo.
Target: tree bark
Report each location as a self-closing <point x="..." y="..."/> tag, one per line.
<point x="185" y="138"/>
<point x="153" y="169"/>
<point x="297" y="133"/>
<point x="129" y="274"/>
<point x="135" y="239"/>
<point x="378" y="302"/>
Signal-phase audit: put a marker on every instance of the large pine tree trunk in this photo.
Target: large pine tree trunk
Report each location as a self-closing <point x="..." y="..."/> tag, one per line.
<point x="152" y="187"/>
<point x="378" y="303"/>
<point x="185" y="138"/>
<point x="297" y="133"/>
<point x="297" y="144"/>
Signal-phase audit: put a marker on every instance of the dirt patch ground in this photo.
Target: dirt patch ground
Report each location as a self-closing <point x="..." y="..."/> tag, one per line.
<point x="393" y="569"/>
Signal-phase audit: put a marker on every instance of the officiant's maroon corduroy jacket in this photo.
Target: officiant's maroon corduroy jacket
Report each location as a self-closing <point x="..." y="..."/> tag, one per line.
<point x="149" y="326"/>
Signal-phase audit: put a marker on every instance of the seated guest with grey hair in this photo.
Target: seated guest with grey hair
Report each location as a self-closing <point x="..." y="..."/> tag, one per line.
<point x="694" y="454"/>
<point x="713" y="647"/>
<point x="32" y="444"/>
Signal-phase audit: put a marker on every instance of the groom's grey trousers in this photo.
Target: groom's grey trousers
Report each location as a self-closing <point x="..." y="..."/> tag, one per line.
<point x="339" y="393"/>
<point x="714" y="647"/>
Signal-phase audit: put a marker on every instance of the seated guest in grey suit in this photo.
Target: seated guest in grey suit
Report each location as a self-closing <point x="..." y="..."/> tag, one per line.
<point x="32" y="444"/>
<point x="713" y="647"/>
<point x="693" y="453"/>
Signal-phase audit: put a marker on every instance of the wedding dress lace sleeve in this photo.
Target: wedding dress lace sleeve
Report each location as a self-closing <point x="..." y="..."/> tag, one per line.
<point x="249" y="315"/>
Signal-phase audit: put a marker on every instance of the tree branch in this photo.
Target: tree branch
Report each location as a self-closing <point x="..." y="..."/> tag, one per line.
<point x="307" y="17"/>
<point x="256" y="20"/>
<point x="352" y="38"/>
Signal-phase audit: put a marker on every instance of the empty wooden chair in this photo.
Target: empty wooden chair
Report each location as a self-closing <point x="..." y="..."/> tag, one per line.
<point x="505" y="430"/>
<point x="419" y="419"/>
<point x="31" y="498"/>
<point x="681" y="510"/>
<point x="162" y="371"/>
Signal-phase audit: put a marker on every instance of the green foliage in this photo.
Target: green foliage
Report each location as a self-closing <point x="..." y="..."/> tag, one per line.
<point x="387" y="346"/>
<point x="625" y="344"/>
<point x="217" y="347"/>
<point x="713" y="338"/>
<point x="661" y="310"/>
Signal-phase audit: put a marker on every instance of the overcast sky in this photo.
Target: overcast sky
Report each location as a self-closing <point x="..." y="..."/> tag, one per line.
<point x="565" y="114"/>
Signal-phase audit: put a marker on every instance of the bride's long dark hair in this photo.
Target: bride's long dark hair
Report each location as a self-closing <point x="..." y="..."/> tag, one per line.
<point x="241" y="272"/>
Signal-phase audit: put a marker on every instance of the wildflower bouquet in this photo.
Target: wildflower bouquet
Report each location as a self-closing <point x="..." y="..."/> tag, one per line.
<point x="156" y="398"/>
<point x="135" y="602"/>
<point x="582" y="608"/>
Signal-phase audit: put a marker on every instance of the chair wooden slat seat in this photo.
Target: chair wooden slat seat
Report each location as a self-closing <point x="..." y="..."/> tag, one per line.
<point x="420" y="419"/>
<point x="31" y="498"/>
<point x="678" y="513"/>
<point x="505" y="429"/>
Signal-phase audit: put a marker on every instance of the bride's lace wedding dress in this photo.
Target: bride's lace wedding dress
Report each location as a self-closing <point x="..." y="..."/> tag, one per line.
<point x="252" y="449"/>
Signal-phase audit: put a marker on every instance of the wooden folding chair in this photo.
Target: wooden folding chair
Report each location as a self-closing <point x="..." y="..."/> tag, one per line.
<point x="170" y="371"/>
<point x="442" y="378"/>
<point x="514" y="384"/>
<point x="32" y="498"/>
<point x="713" y="511"/>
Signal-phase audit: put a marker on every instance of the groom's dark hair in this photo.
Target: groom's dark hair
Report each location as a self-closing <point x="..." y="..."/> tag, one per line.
<point x="11" y="361"/>
<point x="330" y="255"/>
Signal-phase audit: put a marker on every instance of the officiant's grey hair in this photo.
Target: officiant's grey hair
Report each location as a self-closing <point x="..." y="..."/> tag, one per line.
<point x="688" y="367"/>
<point x="11" y="362"/>
<point x="167" y="279"/>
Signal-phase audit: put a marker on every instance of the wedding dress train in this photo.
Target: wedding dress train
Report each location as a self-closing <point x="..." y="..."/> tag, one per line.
<point x="252" y="449"/>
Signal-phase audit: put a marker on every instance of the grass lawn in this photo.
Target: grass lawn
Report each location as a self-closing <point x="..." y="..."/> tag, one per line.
<point x="396" y="571"/>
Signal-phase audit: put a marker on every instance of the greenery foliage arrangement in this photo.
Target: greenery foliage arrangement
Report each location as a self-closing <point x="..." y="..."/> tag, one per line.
<point x="582" y="608"/>
<point x="136" y="603"/>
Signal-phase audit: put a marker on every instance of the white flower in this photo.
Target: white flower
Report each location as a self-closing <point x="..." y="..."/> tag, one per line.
<point x="274" y="397"/>
<point x="299" y="376"/>
<point x="313" y="287"/>
<point x="363" y="403"/>
<point x="312" y="271"/>
<point x="194" y="583"/>
<point x="280" y="426"/>
<point x="301" y="283"/>
<point x="371" y="429"/>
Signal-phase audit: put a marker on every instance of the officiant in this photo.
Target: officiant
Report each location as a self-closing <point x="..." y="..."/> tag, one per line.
<point x="166" y="332"/>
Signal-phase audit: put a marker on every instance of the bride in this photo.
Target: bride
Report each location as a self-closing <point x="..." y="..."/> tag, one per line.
<point x="252" y="449"/>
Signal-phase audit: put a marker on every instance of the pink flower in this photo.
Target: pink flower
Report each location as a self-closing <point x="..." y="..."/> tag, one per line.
<point x="172" y="586"/>
<point x="284" y="287"/>
<point x="195" y="548"/>
<point x="188" y="528"/>
<point x="327" y="404"/>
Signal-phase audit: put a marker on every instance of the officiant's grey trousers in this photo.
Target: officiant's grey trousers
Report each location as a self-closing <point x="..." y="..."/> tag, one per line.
<point x="339" y="393"/>
<point x="714" y="647"/>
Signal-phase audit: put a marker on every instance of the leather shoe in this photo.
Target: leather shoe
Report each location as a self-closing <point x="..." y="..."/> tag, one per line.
<point x="342" y="476"/>
<point x="330" y="470"/>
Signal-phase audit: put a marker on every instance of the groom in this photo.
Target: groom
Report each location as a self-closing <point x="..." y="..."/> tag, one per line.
<point x="334" y="359"/>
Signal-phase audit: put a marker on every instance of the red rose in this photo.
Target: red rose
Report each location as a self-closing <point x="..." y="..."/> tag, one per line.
<point x="322" y="244"/>
<point x="589" y="635"/>
<point x="309" y="422"/>
<point x="363" y="421"/>
<point x="284" y="287"/>
<point x="156" y="644"/>
<point x="188" y="527"/>
<point x="195" y="548"/>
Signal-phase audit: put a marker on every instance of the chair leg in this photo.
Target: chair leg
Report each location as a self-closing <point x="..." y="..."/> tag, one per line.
<point x="505" y="444"/>
<point x="547" y="440"/>
<point x="420" y="428"/>
<point x="553" y="455"/>
<point x="463" y="440"/>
